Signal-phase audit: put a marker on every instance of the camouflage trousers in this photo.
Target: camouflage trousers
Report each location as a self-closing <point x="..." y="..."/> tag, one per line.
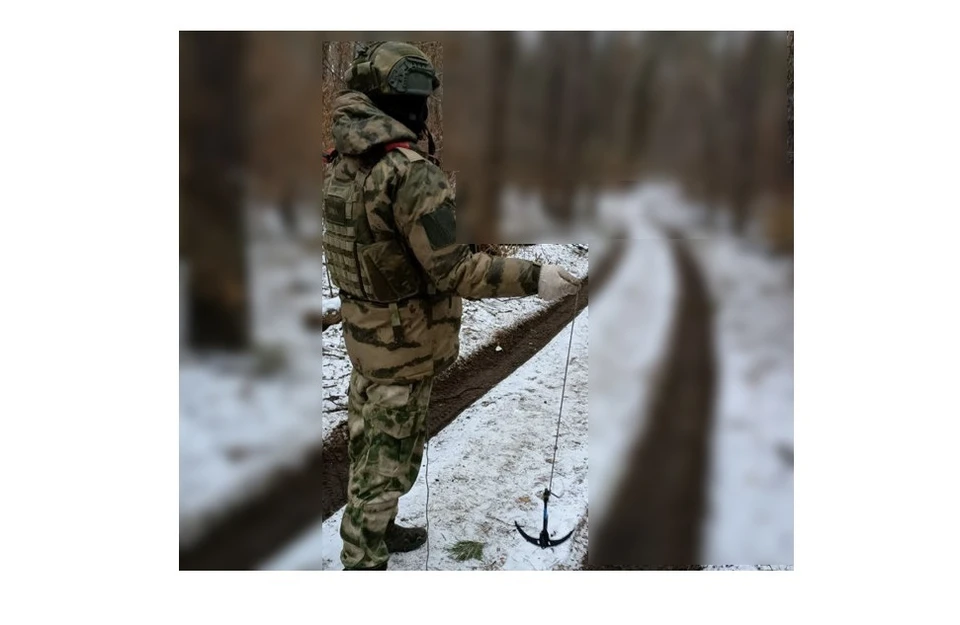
<point x="387" y="430"/>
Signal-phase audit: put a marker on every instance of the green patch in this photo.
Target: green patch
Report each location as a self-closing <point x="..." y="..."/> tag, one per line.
<point x="530" y="279"/>
<point x="335" y="203"/>
<point x="391" y="372"/>
<point x="495" y="272"/>
<point x="444" y="263"/>
<point x="467" y="550"/>
<point x="441" y="226"/>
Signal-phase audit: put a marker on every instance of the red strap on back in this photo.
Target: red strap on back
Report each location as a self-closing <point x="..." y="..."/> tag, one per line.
<point x="396" y="144"/>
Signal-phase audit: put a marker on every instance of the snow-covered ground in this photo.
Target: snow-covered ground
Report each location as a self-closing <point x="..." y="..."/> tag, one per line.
<point x="750" y="522"/>
<point x="751" y="476"/>
<point x="486" y="470"/>
<point x="331" y="304"/>
<point x="630" y="333"/>
<point x="237" y="427"/>
<point x="480" y="320"/>
<point x="244" y="418"/>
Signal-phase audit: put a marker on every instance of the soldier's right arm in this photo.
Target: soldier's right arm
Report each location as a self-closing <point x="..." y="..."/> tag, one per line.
<point x="425" y="213"/>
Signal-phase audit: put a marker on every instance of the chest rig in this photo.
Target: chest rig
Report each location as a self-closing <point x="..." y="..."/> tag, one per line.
<point x="367" y="259"/>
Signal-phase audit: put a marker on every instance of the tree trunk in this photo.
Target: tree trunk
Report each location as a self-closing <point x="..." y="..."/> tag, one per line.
<point x="748" y="99"/>
<point x="213" y="237"/>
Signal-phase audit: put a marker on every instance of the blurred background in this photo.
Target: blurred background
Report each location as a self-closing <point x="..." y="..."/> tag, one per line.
<point x="671" y="153"/>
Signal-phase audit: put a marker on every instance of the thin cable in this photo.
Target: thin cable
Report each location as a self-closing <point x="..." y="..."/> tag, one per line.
<point x="323" y="259"/>
<point x="553" y="464"/>
<point x="326" y="274"/>
<point x="426" y="509"/>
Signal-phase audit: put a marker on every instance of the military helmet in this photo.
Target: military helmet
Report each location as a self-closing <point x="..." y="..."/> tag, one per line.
<point x="392" y="68"/>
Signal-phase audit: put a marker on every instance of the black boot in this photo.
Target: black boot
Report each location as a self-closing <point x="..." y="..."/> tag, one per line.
<point x="403" y="539"/>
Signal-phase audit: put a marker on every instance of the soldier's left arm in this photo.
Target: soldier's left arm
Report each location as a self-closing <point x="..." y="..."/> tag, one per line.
<point x="425" y="213"/>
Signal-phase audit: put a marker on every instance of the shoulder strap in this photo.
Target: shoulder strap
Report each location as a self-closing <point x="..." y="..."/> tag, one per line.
<point x="410" y="154"/>
<point x="404" y="148"/>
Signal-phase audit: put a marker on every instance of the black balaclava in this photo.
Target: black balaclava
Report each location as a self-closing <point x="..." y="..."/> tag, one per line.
<point x="411" y="111"/>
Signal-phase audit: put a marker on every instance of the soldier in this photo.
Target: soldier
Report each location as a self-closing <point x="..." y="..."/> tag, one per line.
<point x="390" y="241"/>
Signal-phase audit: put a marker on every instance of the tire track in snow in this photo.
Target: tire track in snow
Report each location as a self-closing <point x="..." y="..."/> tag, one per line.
<point x="655" y="518"/>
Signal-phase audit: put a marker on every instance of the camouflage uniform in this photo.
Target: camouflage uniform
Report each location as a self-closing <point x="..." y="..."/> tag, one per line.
<point x="389" y="237"/>
<point x="387" y="425"/>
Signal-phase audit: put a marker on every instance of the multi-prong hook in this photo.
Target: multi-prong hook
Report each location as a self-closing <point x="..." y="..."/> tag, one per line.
<point x="544" y="541"/>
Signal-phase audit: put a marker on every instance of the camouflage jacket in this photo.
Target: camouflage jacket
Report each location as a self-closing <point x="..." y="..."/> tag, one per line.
<point x="390" y="239"/>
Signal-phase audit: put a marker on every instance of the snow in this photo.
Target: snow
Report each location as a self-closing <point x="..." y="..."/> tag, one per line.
<point x="487" y="469"/>
<point x="331" y="304"/>
<point x="633" y="316"/>
<point x="238" y="427"/>
<point x="522" y="213"/>
<point x="750" y="524"/>
<point x="481" y="318"/>
<point x="567" y="256"/>
<point x="243" y="419"/>
<point x="751" y="474"/>
<point x="236" y="431"/>
<point x="523" y="217"/>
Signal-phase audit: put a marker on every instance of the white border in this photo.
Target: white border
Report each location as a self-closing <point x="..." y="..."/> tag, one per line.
<point x="90" y="139"/>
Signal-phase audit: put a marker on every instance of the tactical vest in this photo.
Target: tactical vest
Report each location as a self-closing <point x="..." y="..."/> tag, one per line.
<point x="368" y="265"/>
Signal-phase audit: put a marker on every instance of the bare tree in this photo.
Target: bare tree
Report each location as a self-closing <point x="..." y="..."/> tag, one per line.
<point x="213" y="136"/>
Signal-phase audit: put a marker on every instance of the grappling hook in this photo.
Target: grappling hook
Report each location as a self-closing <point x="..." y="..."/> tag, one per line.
<point x="544" y="541"/>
